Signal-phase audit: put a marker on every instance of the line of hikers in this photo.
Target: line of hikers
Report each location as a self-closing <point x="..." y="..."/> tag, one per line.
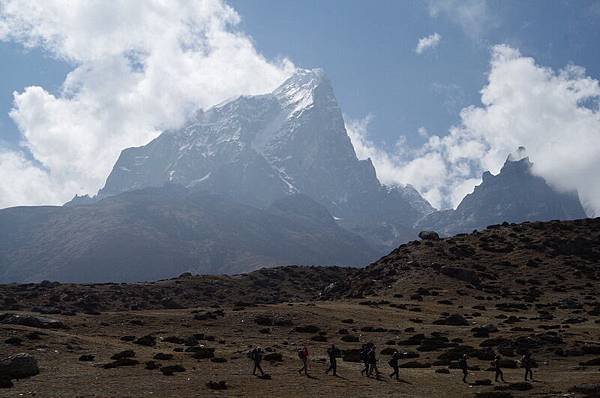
<point x="368" y="357"/>
<point x="526" y="363"/>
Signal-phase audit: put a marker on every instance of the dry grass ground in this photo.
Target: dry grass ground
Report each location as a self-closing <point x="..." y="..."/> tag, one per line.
<point x="63" y="375"/>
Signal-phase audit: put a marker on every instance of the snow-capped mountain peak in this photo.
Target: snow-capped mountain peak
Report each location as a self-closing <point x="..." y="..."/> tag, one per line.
<point x="258" y="149"/>
<point x="298" y="91"/>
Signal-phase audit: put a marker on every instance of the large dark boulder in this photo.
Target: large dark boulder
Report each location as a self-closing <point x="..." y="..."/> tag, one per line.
<point x="18" y="366"/>
<point x="429" y="235"/>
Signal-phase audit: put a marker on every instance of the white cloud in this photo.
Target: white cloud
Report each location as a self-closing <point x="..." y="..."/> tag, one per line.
<point x="554" y="114"/>
<point x="139" y="67"/>
<point x="473" y="16"/>
<point x="428" y="43"/>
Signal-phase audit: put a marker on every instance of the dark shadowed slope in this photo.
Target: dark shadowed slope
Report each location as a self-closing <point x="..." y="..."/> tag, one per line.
<point x="161" y="232"/>
<point x="518" y="261"/>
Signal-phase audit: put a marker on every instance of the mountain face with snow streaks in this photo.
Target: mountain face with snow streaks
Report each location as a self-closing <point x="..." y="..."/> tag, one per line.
<point x="258" y="149"/>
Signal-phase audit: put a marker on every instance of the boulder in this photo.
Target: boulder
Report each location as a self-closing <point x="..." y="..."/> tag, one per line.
<point x="452" y="320"/>
<point x="429" y="235"/>
<point x="588" y="389"/>
<point x="202" y="352"/>
<point x="214" y="385"/>
<point x="123" y="354"/>
<point x="520" y="386"/>
<point x="161" y="356"/>
<point x="148" y="341"/>
<point x="170" y="370"/>
<point x="151" y="365"/>
<point x="120" y="362"/>
<point x="18" y="366"/>
<point x="31" y="321"/>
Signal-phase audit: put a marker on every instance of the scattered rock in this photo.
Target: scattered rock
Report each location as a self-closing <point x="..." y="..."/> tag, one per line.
<point x="148" y="341"/>
<point x="121" y="362"/>
<point x="307" y="329"/>
<point x="349" y="338"/>
<point x="171" y="369"/>
<point x="123" y="354"/>
<point x="151" y="365"/>
<point x="588" y="389"/>
<point x="202" y="352"/>
<point x="452" y="320"/>
<point x="214" y="385"/>
<point x="520" y="386"/>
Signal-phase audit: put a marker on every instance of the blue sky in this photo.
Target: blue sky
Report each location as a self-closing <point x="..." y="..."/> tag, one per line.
<point x="369" y="54"/>
<point x="366" y="48"/>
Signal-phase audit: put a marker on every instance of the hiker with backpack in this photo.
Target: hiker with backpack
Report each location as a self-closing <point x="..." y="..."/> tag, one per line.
<point x="394" y="365"/>
<point x="364" y="357"/>
<point x="303" y="355"/>
<point x="462" y="363"/>
<point x="332" y="353"/>
<point x="256" y="356"/>
<point x="372" y="359"/>
<point x="496" y="366"/>
<point x="527" y="364"/>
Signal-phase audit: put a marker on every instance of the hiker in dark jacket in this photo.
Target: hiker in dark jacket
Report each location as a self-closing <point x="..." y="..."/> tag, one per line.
<point x="394" y="364"/>
<point x="372" y="359"/>
<point x="462" y="363"/>
<point x="496" y="366"/>
<point x="364" y="357"/>
<point x="527" y="364"/>
<point x="332" y="353"/>
<point x="256" y="356"/>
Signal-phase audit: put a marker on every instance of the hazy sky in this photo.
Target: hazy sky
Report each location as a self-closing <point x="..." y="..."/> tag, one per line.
<point x="434" y="91"/>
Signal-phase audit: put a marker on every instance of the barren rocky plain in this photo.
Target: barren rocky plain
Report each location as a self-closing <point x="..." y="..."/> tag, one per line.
<point x="502" y="290"/>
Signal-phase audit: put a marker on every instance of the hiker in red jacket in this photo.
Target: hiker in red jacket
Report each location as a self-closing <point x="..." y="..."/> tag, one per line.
<point x="303" y="355"/>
